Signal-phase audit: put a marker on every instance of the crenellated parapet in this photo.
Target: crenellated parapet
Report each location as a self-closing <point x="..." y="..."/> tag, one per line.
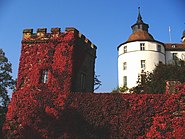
<point x="42" y="35"/>
<point x="28" y="34"/>
<point x="66" y="57"/>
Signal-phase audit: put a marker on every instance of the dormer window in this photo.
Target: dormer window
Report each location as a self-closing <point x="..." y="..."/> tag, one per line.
<point x="142" y="46"/>
<point x="44" y="76"/>
<point x="173" y="46"/>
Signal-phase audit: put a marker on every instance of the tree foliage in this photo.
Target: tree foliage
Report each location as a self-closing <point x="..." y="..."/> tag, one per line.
<point x="6" y="83"/>
<point x="155" y="82"/>
<point x="6" y="80"/>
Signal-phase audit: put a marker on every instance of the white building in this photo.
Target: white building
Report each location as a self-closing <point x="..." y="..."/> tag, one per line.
<point x="141" y="53"/>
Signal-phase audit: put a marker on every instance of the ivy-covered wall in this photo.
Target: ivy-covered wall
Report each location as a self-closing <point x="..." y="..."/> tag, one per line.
<point x="51" y="111"/>
<point x="63" y="54"/>
<point x="43" y="114"/>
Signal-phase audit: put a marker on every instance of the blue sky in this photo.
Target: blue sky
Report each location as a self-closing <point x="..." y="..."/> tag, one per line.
<point x="105" y="22"/>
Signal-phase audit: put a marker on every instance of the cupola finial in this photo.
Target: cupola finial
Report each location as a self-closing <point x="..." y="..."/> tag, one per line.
<point x="139" y="25"/>
<point x="139" y="18"/>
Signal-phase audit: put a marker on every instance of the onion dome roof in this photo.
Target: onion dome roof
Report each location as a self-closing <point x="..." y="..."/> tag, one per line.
<point x="140" y="30"/>
<point x="140" y="35"/>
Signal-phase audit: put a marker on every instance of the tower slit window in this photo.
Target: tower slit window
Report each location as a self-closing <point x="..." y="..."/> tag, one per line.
<point x="82" y="81"/>
<point x="159" y="48"/>
<point x="44" y="76"/>
<point x="143" y="64"/>
<point x="124" y="65"/>
<point x="142" y="46"/>
<point x="124" y="80"/>
<point x="124" y="49"/>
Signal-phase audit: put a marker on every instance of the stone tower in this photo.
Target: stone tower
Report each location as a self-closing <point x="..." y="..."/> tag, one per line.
<point x="56" y="61"/>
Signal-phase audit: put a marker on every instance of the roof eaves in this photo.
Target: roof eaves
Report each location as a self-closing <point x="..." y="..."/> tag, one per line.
<point x="139" y="40"/>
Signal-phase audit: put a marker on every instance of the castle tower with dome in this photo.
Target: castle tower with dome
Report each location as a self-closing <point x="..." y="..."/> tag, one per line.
<point x="141" y="53"/>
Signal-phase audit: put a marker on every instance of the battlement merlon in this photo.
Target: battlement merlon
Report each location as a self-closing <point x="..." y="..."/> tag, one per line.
<point x="81" y="36"/>
<point x="41" y="33"/>
<point x="55" y="32"/>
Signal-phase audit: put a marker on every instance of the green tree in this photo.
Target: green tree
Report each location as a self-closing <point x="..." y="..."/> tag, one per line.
<point x="155" y="82"/>
<point x="6" y="83"/>
<point x="6" y="80"/>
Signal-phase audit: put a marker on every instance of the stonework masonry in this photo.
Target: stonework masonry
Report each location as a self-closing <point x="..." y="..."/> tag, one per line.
<point x="57" y="60"/>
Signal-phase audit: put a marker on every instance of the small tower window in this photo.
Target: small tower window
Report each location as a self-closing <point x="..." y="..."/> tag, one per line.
<point x="142" y="46"/>
<point x="124" y="65"/>
<point x="143" y="64"/>
<point x="82" y="81"/>
<point x="124" y="80"/>
<point x="44" y="76"/>
<point x="159" y="48"/>
<point x="125" y="49"/>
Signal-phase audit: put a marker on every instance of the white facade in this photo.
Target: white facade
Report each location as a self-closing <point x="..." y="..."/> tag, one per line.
<point x="133" y="57"/>
<point x="141" y="53"/>
<point x="173" y="55"/>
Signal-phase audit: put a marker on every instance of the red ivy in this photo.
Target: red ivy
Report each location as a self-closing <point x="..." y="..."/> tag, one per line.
<point x="49" y="110"/>
<point x="78" y="115"/>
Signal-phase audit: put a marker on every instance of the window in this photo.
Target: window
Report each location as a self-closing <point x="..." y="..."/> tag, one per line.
<point x="124" y="65"/>
<point x="82" y="81"/>
<point x="142" y="46"/>
<point x="173" y="46"/>
<point x="44" y="76"/>
<point x="124" y="80"/>
<point x="125" y="49"/>
<point x="51" y="52"/>
<point x="174" y="55"/>
<point x="159" y="48"/>
<point x="143" y="66"/>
